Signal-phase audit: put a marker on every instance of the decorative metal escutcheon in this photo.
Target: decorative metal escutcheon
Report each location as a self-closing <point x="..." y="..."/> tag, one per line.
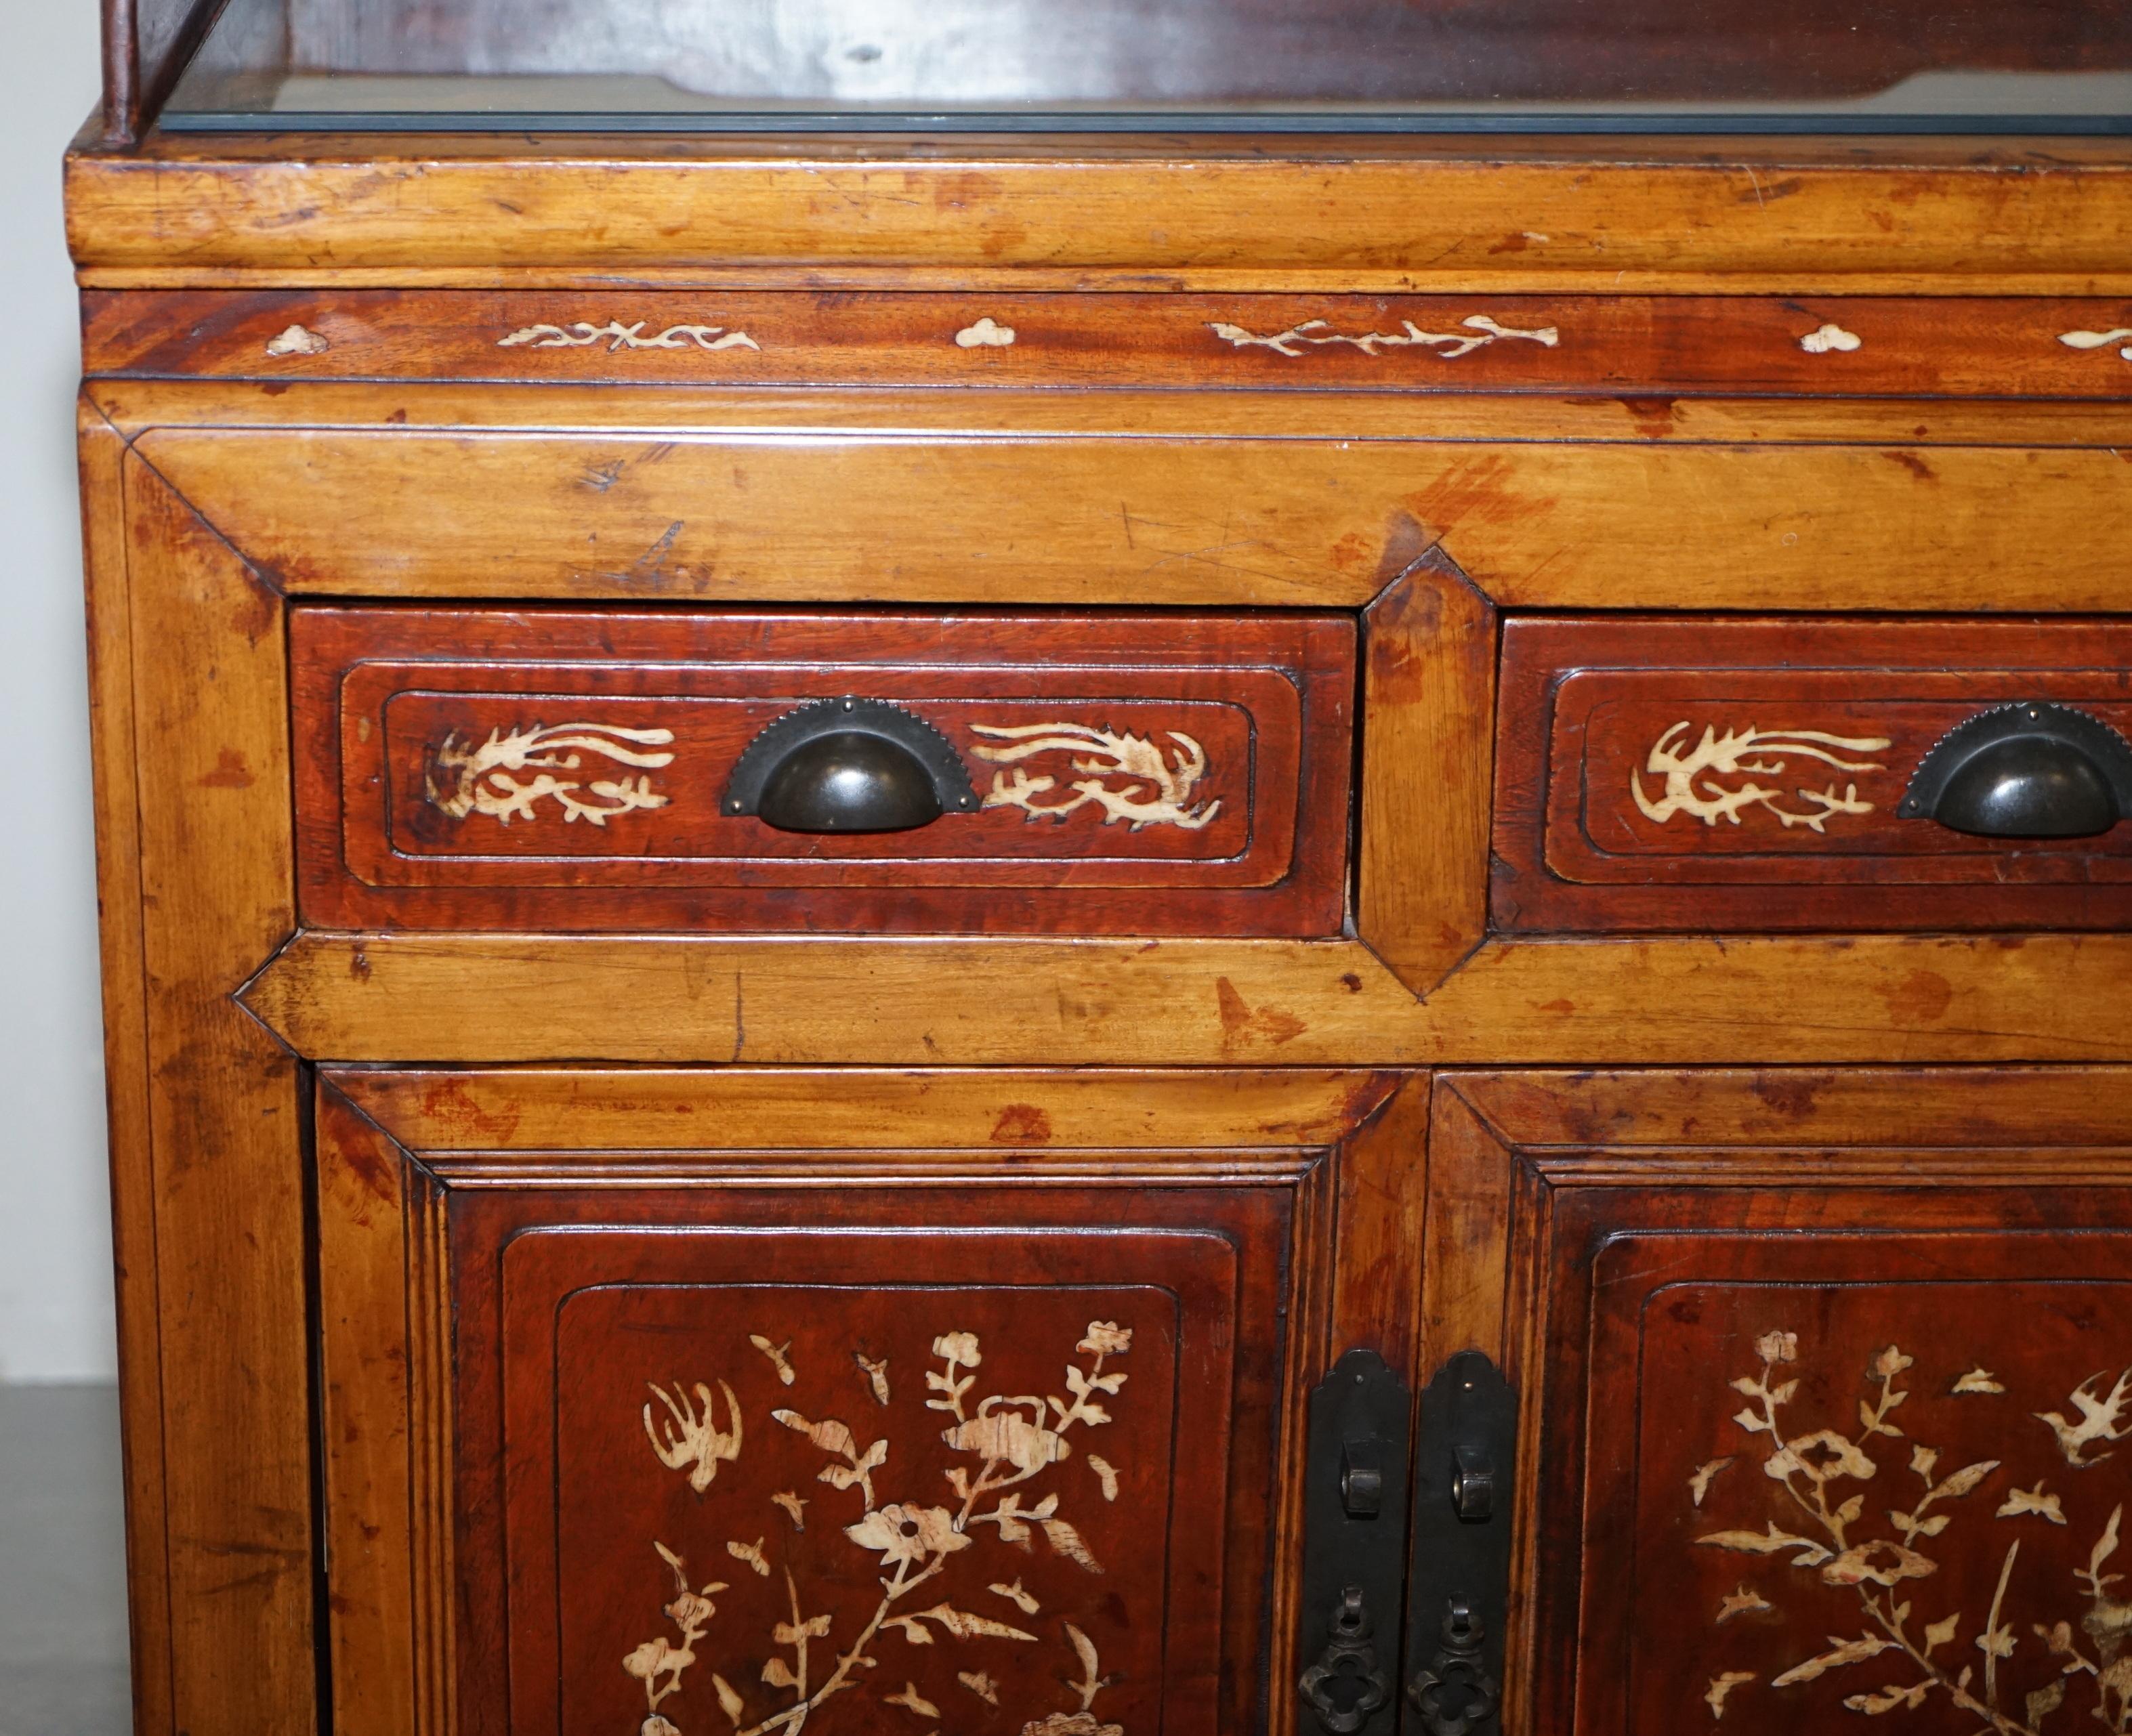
<point x="1348" y="1685"/>
<point x="1453" y="1692"/>
<point x="1458" y="1585"/>
<point x="1354" y="1554"/>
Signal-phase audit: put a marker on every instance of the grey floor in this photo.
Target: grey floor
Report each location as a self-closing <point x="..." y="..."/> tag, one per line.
<point x="62" y="1564"/>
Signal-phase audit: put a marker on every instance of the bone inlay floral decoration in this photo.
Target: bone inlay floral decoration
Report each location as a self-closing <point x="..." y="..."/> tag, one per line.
<point x="1825" y="1544"/>
<point x="2099" y="340"/>
<point x="465" y="779"/>
<point x="1478" y="333"/>
<point x="1128" y="777"/>
<point x="582" y="333"/>
<point x="1692" y="775"/>
<point x="953" y="1545"/>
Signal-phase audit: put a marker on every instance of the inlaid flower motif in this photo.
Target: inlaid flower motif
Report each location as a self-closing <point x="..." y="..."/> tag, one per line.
<point x="691" y="1609"/>
<point x="1880" y="1562"/>
<point x="1922" y="1632"/>
<point x="1008" y="1438"/>
<point x="1071" y="1724"/>
<point x="1891" y="1362"/>
<point x="1777" y="1347"/>
<point x="1823" y="1455"/>
<point x="901" y="1533"/>
<point x="1105" y="1338"/>
<point x="655" y="1657"/>
<point x="959" y="1348"/>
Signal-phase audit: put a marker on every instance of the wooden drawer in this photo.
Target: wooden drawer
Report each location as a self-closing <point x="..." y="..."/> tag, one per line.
<point x="1094" y="774"/>
<point x="1752" y="773"/>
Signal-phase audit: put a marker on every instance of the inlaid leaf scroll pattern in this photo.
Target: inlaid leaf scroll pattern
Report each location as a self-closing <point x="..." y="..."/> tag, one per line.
<point x="1126" y="777"/>
<point x="465" y="779"/>
<point x="1848" y="1526"/>
<point x="1003" y="1495"/>
<point x="1697" y="776"/>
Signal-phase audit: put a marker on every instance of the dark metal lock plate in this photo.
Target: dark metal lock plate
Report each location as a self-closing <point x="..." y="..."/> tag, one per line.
<point x="1458" y="1585"/>
<point x="1354" y="1558"/>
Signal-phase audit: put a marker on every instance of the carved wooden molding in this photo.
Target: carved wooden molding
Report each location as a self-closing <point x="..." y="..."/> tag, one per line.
<point x="1690" y="774"/>
<point x="463" y="779"/>
<point x="1157" y="786"/>
<point x="582" y="333"/>
<point x="1480" y="332"/>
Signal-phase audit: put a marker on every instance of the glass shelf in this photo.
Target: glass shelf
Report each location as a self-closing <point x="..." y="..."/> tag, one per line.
<point x="1862" y="66"/>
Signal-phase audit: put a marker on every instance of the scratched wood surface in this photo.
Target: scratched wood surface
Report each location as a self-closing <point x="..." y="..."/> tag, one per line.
<point x="1769" y="216"/>
<point x="1673" y="999"/>
<point x="1758" y="512"/>
<point x="209" y="768"/>
<point x="1952" y="1256"/>
<point x="1647" y="347"/>
<point x="1206" y="1231"/>
<point x="128" y="1087"/>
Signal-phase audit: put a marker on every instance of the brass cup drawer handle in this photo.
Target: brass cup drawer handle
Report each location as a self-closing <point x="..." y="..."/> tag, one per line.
<point x="849" y="765"/>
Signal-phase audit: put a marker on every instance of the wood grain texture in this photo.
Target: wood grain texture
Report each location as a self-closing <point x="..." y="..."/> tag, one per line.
<point x="1428" y="687"/>
<point x="1658" y="1224"/>
<point x="1379" y="1219"/>
<point x="1463" y="1272"/>
<point x="1594" y="710"/>
<point x="1676" y="1001"/>
<point x="1196" y="521"/>
<point x="1613" y="216"/>
<point x="658" y="1109"/>
<point x="368" y="1254"/>
<point x="727" y="1171"/>
<point x="1238" y="824"/>
<point x="136" y="405"/>
<point x="1647" y="346"/>
<point x="210" y="773"/>
<point x="129" y="1084"/>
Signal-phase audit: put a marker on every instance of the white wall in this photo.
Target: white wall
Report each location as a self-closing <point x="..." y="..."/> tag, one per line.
<point x="56" y="1321"/>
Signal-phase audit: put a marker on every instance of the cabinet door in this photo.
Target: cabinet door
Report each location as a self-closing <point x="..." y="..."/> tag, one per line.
<point x="702" y="1403"/>
<point x="1821" y="1380"/>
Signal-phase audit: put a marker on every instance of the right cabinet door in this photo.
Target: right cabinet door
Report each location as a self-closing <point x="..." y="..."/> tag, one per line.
<point x="1826" y="1392"/>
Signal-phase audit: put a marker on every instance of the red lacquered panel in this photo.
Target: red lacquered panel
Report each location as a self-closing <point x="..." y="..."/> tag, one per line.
<point x="726" y="1453"/>
<point x="1859" y="1468"/>
<point x="1739" y="774"/>
<point x="489" y="768"/>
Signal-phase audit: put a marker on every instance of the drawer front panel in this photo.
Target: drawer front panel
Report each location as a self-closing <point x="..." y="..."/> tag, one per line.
<point x="1690" y="774"/>
<point x="485" y="768"/>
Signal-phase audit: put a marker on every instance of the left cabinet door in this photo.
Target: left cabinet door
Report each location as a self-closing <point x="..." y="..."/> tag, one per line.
<point x="661" y="1403"/>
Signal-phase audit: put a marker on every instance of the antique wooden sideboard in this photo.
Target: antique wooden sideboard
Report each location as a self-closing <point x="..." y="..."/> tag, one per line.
<point x="1080" y="935"/>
